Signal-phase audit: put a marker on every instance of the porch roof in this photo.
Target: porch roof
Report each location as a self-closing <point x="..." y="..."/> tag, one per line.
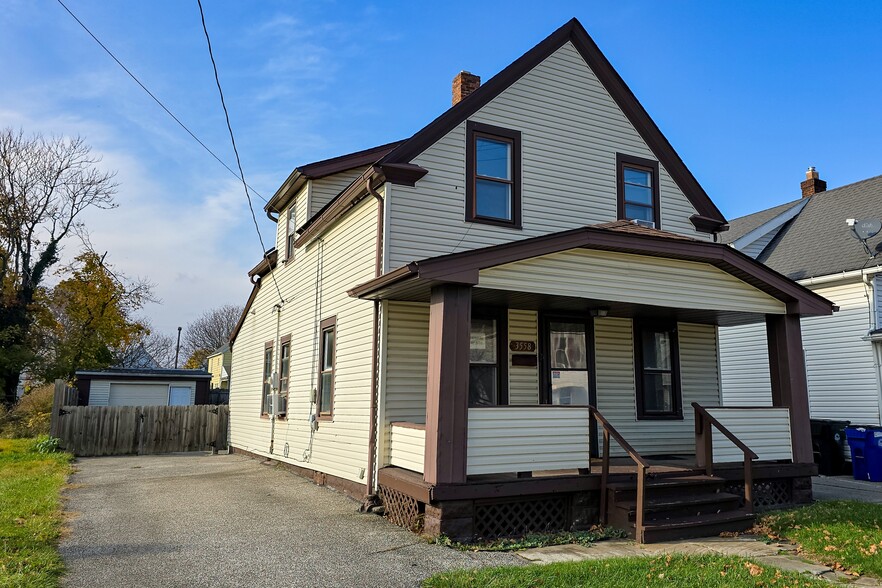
<point x="415" y="280"/>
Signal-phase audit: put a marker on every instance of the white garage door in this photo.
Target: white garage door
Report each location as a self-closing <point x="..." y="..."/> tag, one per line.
<point x="138" y="395"/>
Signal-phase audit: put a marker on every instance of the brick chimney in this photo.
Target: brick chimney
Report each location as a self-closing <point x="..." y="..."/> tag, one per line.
<point x="464" y="84"/>
<point x="812" y="185"/>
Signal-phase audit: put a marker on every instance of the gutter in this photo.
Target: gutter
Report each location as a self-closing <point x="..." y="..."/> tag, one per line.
<point x="839" y="277"/>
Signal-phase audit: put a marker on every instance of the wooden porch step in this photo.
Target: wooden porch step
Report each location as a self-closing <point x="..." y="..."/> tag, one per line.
<point x="678" y="486"/>
<point x="706" y="525"/>
<point x="671" y="507"/>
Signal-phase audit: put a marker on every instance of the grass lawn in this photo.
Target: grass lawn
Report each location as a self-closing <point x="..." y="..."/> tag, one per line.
<point x="30" y="513"/>
<point x="705" y="571"/>
<point x="838" y="533"/>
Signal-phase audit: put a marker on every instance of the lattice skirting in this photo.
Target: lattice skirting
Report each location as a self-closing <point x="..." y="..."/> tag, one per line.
<point x="402" y="510"/>
<point x="767" y="494"/>
<point x="518" y="517"/>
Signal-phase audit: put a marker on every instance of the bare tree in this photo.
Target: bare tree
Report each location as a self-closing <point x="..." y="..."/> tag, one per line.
<point x="210" y="331"/>
<point x="45" y="186"/>
<point x="152" y="350"/>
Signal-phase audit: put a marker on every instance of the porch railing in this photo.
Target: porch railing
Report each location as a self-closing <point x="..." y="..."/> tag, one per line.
<point x="642" y="465"/>
<point x="705" y="422"/>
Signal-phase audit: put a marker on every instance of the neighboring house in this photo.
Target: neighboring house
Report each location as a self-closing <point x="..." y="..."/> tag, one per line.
<point x="809" y="241"/>
<point x="219" y="367"/>
<point x="138" y="387"/>
<point x="440" y="315"/>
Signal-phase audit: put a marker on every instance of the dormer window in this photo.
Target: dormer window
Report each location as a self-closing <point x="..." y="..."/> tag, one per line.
<point x="493" y="175"/>
<point x="637" y="187"/>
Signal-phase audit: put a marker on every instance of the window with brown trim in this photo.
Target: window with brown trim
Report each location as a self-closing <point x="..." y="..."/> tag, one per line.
<point x="267" y="402"/>
<point x="657" y="371"/>
<point x="284" y="371"/>
<point x="291" y="231"/>
<point x="488" y="358"/>
<point x="637" y="189"/>
<point x="493" y="175"/>
<point x="327" y="358"/>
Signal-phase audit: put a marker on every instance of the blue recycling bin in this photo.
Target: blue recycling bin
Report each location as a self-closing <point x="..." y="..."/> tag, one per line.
<point x="866" y="452"/>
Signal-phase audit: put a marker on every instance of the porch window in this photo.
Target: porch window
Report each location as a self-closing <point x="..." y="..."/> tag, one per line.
<point x="327" y="357"/>
<point x="267" y="405"/>
<point x="284" y="369"/>
<point x="657" y="377"/>
<point x="486" y="370"/>
<point x="493" y="163"/>
<point x="637" y="187"/>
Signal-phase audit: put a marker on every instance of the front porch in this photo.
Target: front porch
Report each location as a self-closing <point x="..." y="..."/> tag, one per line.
<point x="571" y="379"/>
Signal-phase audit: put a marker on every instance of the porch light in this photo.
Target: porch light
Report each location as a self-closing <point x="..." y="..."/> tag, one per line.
<point x="599" y="312"/>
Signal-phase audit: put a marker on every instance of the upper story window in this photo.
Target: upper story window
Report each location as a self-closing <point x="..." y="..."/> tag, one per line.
<point x="637" y="188"/>
<point x="327" y="353"/>
<point x="291" y="230"/>
<point x="657" y="371"/>
<point x="493" y="175"/>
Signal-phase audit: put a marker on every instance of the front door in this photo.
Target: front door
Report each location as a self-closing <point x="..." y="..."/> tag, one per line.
<point x="568" y="361"/>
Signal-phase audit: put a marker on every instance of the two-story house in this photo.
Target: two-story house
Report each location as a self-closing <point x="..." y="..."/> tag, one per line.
<point x="508" y="322"/>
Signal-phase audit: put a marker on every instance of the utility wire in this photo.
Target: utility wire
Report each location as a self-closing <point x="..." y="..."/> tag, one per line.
<point x="236" y="150"/>
<point x="155" y="99"/>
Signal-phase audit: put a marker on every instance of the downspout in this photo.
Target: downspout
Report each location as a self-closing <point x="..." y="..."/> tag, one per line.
<point x="870" y="287"/>
<point x="375" y="348"/>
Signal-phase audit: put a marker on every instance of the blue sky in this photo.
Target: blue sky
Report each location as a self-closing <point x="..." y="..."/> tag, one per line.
<point x="749" y="93"/>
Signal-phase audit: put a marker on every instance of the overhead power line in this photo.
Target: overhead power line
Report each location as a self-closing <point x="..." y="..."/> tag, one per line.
<point x="220" y="91"/>
<point x="152" y="95"/>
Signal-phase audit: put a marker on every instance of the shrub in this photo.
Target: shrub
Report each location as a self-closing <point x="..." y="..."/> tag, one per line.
<point x="47" y="444"/>
<point x="30" y="416"/>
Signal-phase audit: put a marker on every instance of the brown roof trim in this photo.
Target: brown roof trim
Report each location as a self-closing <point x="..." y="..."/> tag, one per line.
<point x="574" y="32"/>
<point x="245" y="311"/>
<point x="464" y="267"/>
<point x="324" y="168"/>
<point x="399" y="173"/>
<point x="269" y="261"/>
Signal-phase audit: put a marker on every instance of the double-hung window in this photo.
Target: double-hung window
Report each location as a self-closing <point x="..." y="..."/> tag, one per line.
<point x="267" y="405"/>
<point x="493" y="170"/>
<point x="291" y="230"/>
<point x="284" y="371"/>
<point x="327" y="357"/>
<point x="657" y="371"/>
<point x="637" y="186"/>
<point x="487" y="360"/>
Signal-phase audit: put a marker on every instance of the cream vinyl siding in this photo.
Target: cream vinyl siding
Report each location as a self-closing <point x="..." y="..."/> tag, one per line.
<point x="523" y="382"/>
<point x="840" y="366"/>
<point x="765" y="432"/>
<point x="625" y="277"/>
<point x="571" y="130"/>
<point x="406" y="360"/>
<point x="616" y="397"/>
<point x="407" y="448"/>
<point x="323" y="190"/>
<point x="342" y="258"/>
<point x="525" y="439"/>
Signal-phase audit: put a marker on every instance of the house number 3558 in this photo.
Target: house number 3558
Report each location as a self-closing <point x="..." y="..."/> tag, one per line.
<point x="522" y="346"/>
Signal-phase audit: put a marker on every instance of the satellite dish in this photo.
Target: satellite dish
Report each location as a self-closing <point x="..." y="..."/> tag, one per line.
<point x="867" y="228"/>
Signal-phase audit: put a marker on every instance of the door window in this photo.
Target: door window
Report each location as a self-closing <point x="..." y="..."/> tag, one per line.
<point x="568" y="358"/>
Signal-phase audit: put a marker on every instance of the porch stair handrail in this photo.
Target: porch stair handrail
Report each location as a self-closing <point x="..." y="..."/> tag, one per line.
<point x="642" y="466"/>
<point x="704" y="449"/>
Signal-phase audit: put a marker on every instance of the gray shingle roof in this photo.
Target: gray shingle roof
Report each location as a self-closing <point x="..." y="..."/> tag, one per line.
<point x="817" y="241"/>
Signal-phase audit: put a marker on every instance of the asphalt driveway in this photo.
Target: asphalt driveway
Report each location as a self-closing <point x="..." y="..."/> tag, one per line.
<point x="227" y="520"/>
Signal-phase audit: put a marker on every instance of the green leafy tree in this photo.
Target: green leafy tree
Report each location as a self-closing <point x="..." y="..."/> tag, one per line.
<point x="93" y="313"/>
<point x="45" y="187"/>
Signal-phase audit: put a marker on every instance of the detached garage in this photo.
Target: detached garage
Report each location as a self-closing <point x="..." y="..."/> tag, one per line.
<point x="140" y="387"/>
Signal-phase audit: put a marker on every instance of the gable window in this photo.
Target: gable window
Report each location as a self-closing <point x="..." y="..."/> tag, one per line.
<point x="487" y="359"/>
<point x="284" y="370"/>
<point x="291" y="229"/>
<point x="493" y="175"/>
<point x="657" y="371"/>
<point x="637" y="189"/>
<point x="267" y="405"/>
<point x="327" y="357"/>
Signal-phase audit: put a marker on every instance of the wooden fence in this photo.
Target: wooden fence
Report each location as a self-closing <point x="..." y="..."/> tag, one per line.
<point x="141" y="430"/>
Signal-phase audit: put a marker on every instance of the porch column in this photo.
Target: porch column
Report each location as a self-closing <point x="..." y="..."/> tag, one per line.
<point x="447" y="389"/>
<point x="789" y="385"/>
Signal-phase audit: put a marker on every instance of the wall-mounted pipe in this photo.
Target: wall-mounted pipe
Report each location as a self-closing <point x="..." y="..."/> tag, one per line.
<point x="375" y="339"/>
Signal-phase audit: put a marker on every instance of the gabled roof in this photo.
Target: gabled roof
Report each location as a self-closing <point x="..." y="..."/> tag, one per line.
<point x="709" y="216"/>
<point x="817" y="242"/>
<point x="619" y="236"/>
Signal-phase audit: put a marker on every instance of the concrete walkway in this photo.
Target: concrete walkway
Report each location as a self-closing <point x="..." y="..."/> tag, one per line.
<point x="227" y="521"/>
<point x="846" y="488"/>
<point x="779" y="555"/>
